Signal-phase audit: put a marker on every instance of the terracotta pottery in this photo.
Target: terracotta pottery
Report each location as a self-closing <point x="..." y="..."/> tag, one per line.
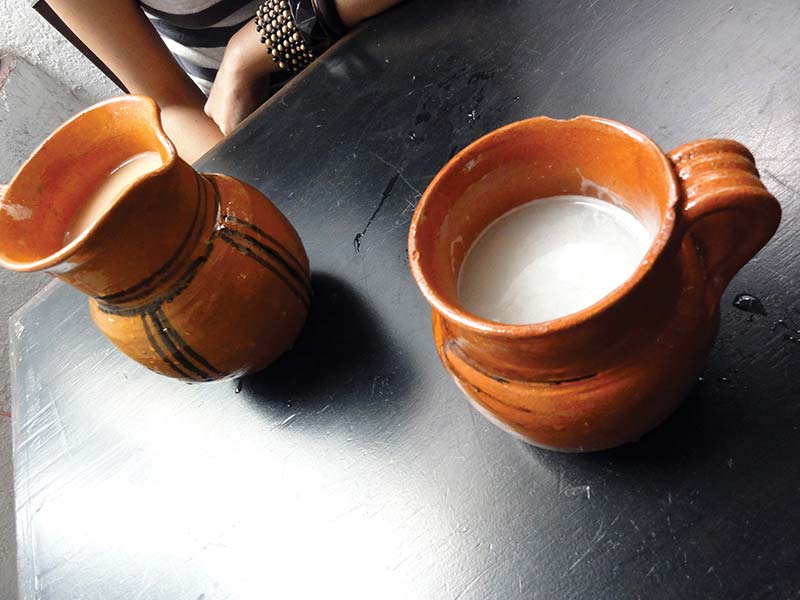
<point x="196" y="276"/>
<point x="607" y="374"/>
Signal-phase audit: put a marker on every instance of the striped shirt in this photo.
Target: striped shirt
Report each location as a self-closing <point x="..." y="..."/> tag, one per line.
<point x="197" y="31"/>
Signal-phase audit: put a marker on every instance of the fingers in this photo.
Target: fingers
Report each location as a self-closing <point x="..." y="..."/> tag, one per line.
<point x="218" y="114"/>
<point x="210" y="109"/>
<point x="226" y="115"/>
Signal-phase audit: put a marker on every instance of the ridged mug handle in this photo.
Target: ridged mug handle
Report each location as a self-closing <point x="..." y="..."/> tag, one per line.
<point x="726" y="210"/>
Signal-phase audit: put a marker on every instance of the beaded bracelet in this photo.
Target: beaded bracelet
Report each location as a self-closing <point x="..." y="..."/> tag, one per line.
<point x="297" y="31"/>
<point x="279" y="33"/>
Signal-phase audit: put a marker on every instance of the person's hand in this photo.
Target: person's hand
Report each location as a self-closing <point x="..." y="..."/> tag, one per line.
<point x="190" y="129"/>
<point x="242" y="82"/>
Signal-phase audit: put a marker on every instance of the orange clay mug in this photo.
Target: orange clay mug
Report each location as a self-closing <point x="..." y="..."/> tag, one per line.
<point x="196" y="276"/>
<point x="607" y="374"/>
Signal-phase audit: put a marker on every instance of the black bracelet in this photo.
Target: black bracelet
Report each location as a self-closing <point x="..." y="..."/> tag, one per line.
<point x="297" y="31"/>
<point x="311" y="27"/>
<point x="280" y="34"/>
<point x="329" y="18"/>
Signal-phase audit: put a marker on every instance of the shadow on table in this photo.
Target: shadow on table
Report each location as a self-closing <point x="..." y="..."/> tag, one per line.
<point x="343" y="355"/>
<point x="712" y="437"/>
<point x="687" y="436"/>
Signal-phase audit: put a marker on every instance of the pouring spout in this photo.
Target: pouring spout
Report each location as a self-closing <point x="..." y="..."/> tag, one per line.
<point x="70" y="179"/>
<point x="105" y="202"/>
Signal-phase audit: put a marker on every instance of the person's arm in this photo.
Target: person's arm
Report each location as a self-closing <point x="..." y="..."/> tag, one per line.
<point x="243" y="77"/>
<point x="352" y="12"/>
<point x="242" y="82"/>
<point x="118" y="32"/>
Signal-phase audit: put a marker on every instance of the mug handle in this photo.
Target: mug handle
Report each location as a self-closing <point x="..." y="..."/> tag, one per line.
<point x="726" y="210"/>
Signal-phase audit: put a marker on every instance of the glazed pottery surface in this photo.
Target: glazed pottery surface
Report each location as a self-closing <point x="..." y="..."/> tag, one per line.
<point x="196" y="276"/>
<point x="605" y="375"/>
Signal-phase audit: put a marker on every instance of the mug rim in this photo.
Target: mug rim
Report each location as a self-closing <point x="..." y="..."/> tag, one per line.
<point x="473" y="322"/>
<point x="65" y="252"/>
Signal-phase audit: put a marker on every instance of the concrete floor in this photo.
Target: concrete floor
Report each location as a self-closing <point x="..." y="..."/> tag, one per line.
<point x="24" y="123"/>
<point x="15" y="290"/>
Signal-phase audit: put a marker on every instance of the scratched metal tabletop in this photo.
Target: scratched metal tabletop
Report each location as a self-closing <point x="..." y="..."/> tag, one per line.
<point x="353" y="467"/>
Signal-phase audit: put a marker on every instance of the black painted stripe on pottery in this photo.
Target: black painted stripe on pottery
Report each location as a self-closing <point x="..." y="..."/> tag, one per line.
<point x="175" y="352"/>
<point x="184" y="346"/>
<point x="180" y="285"/>
<point x="168" y="296"/>
<point x="301" y="270"/>
<point x="146" y="286"/>
<point x="250" y="242"/>
<point x="268" y="237"/>
<point x="160" y="352"/>
<point x="452" y="347"/>
<point x="247" y="251"/>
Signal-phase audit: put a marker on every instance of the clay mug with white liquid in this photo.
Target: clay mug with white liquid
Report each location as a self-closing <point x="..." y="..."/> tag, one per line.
<point x="197" y="276"/>
<point x="606" y="374"/>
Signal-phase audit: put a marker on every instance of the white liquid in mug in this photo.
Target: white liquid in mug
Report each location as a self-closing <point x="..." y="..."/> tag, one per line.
<point x="101" y="198"/>
<point x="550" y="258"/>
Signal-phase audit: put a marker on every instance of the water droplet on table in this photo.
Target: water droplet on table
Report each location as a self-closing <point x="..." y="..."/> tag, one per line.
<point x="749" y="303"/>
<point x="785" y="325"/>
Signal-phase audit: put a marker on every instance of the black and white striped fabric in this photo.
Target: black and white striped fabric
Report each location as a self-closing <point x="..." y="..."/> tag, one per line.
<point x="197" y="31"/>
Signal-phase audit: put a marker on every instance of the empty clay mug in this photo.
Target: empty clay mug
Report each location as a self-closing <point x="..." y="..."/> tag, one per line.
<point x="194" y="275"/>
<point x="607" y="374"/>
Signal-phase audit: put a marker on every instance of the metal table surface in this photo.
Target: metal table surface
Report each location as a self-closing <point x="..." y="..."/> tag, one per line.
<point x="353" y="467"/>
